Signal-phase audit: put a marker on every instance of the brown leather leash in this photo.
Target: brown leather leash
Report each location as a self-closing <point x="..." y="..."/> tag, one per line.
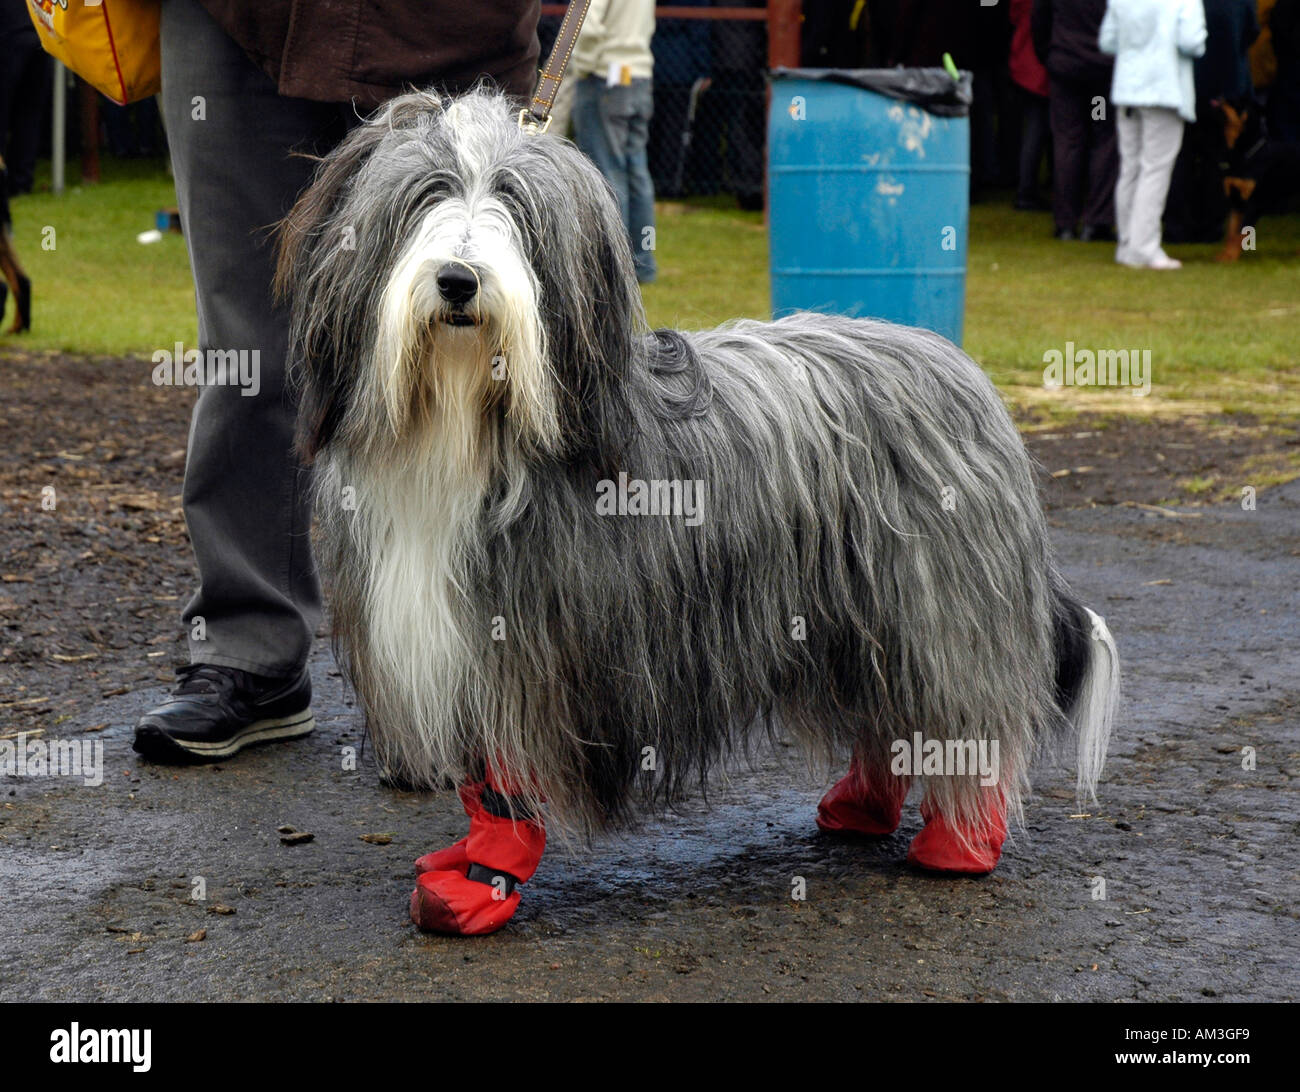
<point x="536" y="117"/>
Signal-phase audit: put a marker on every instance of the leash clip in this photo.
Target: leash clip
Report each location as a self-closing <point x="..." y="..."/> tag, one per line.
<point x="529" y="124"/>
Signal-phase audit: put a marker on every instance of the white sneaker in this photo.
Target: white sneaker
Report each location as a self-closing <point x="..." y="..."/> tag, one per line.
<point x="1163" y="261"/>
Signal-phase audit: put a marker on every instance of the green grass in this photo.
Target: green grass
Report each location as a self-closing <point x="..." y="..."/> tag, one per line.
<point x="1221" y="338"/>
<point x="97" y="290"/>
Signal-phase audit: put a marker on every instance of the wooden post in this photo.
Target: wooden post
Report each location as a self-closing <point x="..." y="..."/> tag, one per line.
<point x="783" y="32"/>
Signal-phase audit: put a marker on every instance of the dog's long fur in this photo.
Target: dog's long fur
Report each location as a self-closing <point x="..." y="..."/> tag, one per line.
<point x="858" y="476"/>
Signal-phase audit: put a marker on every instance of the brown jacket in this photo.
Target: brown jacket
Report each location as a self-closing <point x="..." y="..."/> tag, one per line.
<point x="370" y="50"/>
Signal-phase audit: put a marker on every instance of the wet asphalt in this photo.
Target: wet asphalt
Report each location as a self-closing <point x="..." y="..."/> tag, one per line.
<point x="173" y="884"/>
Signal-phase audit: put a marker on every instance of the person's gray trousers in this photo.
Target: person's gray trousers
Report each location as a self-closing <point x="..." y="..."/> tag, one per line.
<point x="246" y="498"/>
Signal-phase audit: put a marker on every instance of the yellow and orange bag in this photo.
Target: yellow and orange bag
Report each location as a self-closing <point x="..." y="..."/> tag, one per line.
<point x="112" y="45"/>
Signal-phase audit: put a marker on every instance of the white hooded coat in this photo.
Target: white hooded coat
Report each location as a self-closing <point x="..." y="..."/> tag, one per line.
<point x="1154" y="43"/>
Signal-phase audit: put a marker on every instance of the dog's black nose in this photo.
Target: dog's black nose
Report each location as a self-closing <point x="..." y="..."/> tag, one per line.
<point x="457" y="284"/>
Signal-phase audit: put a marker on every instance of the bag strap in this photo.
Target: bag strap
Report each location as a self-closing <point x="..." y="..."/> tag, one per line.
<point x="536" y="117"/>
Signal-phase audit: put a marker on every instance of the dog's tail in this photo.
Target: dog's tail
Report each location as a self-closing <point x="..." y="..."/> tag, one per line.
<point x="1087" y="684"/>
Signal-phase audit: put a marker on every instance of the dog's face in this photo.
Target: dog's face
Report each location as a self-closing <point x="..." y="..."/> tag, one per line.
<point x="448" y="270"/>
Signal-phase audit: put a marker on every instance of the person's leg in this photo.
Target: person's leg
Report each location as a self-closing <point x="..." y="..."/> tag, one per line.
<point x="26" y="78"/>
<point x="1033" y="135"/>
<point x="246" y="497"/>
<point x="1207" y="184"/>
<point x="1284" y="106"/>
<point x="32" y="92"/>
<point x="117" y="124"/>
<point x="9" y="76"/>
<point x="1069" y="136"/>
<point x="612" y="130"/>
<point x="599" y="135"/>
<point x="1181" y="218"/>
<point x="640" y="187"/>
<point x="983" y="132"/>
<point x="1128" y="128"/>
<point x="1162" y="134"/>
<point x="146" y="126"/>
<point x="1103" y="164"/>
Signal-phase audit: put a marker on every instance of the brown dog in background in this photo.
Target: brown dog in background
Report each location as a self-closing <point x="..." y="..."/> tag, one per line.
<point x="1258" y="172"/>
<point x="11" y="269"/>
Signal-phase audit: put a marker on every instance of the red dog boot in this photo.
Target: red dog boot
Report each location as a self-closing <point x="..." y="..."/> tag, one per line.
<point x="469" y="889"/>
<point x="454" y="858"/>
<point x="863" y="803"/>
<point x="965" y="849"/>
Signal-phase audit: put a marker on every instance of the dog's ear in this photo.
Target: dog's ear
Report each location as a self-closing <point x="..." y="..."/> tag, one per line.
<point x="316" y="205"/>
<point x="588" y="294"/>
<point x="316" y="246"/>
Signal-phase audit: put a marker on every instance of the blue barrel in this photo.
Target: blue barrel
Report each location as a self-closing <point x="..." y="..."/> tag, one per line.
<point x="869" y="190"/>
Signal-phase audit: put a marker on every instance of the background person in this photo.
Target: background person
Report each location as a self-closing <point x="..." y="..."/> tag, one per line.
<point x="240" y="96"/>
<point x="1196" y="206"/>
<point x="1284" y="97"/>
<point x="612" y="106"/>
<point x="26" y="79"/>
<point x="1085" y="160"/>
<point x="1029" y="78"/>
<point x="1154" y="43"/>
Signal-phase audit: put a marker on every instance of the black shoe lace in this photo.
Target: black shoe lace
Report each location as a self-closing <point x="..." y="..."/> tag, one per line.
<point x="208" y="679"/>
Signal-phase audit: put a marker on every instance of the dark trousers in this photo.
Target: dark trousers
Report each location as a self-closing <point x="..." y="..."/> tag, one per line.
<point x="246" y="499"/>
<point x="1033" y="141"/>
<point x="26" y="79"/>
<point x="132" y="130"/>
<point x="1284" y="106"/>
<point x="992" y="125"/>
<point x="1196" y="207"/>
<point x="1085" y="155"/>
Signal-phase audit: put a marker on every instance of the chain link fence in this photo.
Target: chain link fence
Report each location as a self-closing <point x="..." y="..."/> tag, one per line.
<point x="708" y="134"/>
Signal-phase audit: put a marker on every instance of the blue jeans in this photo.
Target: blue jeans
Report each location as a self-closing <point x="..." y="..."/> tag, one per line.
<point x="611" y="125"/>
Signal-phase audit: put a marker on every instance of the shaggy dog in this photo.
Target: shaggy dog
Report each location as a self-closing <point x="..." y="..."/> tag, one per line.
<point x="576" y="563"/>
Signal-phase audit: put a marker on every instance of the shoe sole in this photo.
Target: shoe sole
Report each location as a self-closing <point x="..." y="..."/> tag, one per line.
<point x="156" y="744"/>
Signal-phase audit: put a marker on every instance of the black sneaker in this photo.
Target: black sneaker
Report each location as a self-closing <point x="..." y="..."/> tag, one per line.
<point x="215" y="712"/>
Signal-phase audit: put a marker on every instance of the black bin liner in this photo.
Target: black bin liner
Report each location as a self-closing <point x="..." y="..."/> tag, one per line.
<point x="932" y="89"/>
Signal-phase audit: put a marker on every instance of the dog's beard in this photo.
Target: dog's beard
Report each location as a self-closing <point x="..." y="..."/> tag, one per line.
<point x="442" y="368"/>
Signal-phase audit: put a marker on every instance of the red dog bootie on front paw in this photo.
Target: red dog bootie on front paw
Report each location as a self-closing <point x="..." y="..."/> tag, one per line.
<point x="469" y="889"/>
<point x="452" y="859"/>
<point x="862" y="803"/>
<point x="452" y="902"/>
<point x="969" y="850"/>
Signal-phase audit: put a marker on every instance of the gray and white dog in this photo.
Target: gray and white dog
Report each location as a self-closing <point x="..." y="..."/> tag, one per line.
<point x="858" y="556"/>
